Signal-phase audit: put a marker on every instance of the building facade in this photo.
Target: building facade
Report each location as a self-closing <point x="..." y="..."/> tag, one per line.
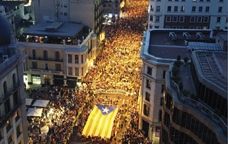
<point x="13" y="122"/>
<point x="87" y="12"/>
<point x="188" y="14"/>
<point x="159" y="49"/>
<point x="195" y="101"/>
<point x="60" y="57"/>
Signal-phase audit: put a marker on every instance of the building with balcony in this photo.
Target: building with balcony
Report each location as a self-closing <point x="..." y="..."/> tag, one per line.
<point x="57" y="53"/>
<point x="87" y="12"/>
<point x="13" y="122"/>
<point x="188" y="14"/>
<point x="195" y="101"/>
<point x="159" y="49"/>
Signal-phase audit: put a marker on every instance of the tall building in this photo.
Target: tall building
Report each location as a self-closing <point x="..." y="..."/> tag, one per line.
<point x="87" y="12"/>
<point x="13" y="122"/>
<point x="59" y="53"/>
<point x="159" y="49"/>
<point x="188" y="14"/>
<point x="195" y="101"/>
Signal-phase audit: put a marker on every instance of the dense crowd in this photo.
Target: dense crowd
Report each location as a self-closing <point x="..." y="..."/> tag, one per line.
<point x="116" y="68"/>
<point x="58" y="117"/>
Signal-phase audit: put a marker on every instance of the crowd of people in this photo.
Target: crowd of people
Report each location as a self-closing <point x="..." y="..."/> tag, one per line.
<point x="58" y="117"/>
<point x="116" y="68"/>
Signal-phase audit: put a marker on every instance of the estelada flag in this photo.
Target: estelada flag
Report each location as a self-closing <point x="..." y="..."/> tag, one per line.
<point x="100" y="121"/>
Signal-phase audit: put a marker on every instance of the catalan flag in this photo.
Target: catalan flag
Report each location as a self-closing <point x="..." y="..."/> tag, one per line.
<point x="100" y="121"/>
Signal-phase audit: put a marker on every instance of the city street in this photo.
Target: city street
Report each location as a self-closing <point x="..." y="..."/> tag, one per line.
<point x="117" y="72"/>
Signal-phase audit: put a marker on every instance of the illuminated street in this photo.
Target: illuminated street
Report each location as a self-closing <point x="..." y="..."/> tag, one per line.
<point x="115" y="78"/>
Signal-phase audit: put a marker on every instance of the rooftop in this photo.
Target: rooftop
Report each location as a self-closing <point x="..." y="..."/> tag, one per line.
<point x="55" y="29"/>
<point x="163" y="46"/>
<point x="212" y="70"/>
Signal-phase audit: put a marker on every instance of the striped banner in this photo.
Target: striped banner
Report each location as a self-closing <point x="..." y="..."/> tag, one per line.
<point x="100" y="121"/>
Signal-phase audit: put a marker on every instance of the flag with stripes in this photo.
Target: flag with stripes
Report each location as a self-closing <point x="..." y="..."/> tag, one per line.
<point x="100" y="121"/>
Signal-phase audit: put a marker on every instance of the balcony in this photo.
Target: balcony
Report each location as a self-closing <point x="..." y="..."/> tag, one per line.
<point x="45" y="59"/>
<point x="50" y="71"/>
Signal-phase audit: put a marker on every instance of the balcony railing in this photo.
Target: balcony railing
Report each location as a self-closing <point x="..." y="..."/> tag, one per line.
<point x="45" y="59"/>
<point x="41" y="70"/>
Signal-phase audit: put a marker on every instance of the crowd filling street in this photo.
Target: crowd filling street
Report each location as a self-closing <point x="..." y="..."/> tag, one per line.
<point x="116" y="69"/>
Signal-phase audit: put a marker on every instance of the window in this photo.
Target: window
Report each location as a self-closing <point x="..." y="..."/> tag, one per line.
<point x="181" y="19"/>
<point x="182" y="9"/>
<point x="175" y="8"/>
<point x="33" y="54"/>
<point x="168" y="19"/>
<point x="146" y="110"/>
<point x="69" y="58"/>
<point x="151" y="18"/>
<point x="147" y="96"/>
<point x="57" y="55"/>
<point x="174" y="18"/>
<point x="200" y="9"/>
<point x="76" y="59"/>
<point x="161" y="101"/>
<point x="45" y="54"/>
<point x="163" y="75"/>
<point x="46" y="66"/>
<point x="157" y="8"/>
<point x="207" y="9"/>
<point x="205" y="19"/>
<point x="149" y="71"/>
<point x="82" y="71"/>
<point x="160" y="115"/>
<point x="199" y="19"/>
<point x="192" y="19"/>
<point x="69" y="70"/>
<point x="169" y="9"/>
<point x="34" y="65"/>
<point x="76" y="71"/>
<point x="58" y="67"/>
<point x="218" y="19"/>
<point x="148" y="84"/>
<point x="18" y="131"/>
<point x="82" y="60"/>
<point x="220" y="9"/>
<point x="14" y="80"/>
<point x="193" y="9"/>
<point x="5" y="87"/>
<point x="162" y="88"/>
<point x="157" y="19"/>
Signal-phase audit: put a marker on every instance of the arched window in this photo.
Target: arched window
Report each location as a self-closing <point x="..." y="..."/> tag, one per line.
<point x="4" y="87"/>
